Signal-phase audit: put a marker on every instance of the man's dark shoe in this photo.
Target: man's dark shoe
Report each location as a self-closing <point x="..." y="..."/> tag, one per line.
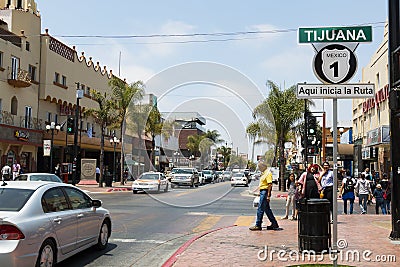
<point x="273" y="227"/>
<point x="255" y="228"/>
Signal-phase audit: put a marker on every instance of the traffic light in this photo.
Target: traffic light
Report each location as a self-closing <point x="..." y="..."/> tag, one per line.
<point x="312" y="150"/>
<point x="70" y="125"/>
<point x="311" y="125"/>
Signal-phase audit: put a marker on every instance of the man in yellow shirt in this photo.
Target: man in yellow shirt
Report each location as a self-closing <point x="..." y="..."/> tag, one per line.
<point x="265" y="187"/>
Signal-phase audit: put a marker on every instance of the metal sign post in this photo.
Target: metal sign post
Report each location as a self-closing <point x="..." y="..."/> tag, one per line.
<point x="335" y="64"/>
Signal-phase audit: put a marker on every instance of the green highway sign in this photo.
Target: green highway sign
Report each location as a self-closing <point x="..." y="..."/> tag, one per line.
<point x="357" y="34"/>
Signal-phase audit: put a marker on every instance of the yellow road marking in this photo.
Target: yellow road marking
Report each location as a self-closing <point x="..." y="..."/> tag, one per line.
<point x="207" y="223"/>
<point x="245" y="221"/>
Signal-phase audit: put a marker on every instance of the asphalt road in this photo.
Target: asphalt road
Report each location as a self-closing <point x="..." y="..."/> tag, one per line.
<point x="149" y="228"/>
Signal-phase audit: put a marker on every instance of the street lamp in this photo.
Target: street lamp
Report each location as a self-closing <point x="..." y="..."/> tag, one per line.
<point x="52" y="127"/>
<point x="115" y="141"/>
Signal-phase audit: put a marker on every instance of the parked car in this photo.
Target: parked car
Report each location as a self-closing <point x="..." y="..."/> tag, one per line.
<point x="45" y="223"/>
<point x="239" y="178"/>
<point x="209" y="176"/>
<point x="185" y="176"/>
<point x="150" y="181"/>
<point x="38" y="177"/>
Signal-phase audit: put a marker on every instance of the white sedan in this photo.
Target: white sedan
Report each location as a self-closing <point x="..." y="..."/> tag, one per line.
<point x="239" y="178"/>
<point x="43" y="223"/>
<point x="150" y="181"/>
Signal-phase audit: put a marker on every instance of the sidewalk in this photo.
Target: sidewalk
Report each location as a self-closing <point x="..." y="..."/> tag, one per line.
<point x="116" y="187"/>
<point x="362" y="241"/>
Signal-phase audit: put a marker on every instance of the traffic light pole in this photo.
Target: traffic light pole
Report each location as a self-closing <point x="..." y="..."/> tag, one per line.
<point x="305" y="134"/>
<point x="79" y="95"/>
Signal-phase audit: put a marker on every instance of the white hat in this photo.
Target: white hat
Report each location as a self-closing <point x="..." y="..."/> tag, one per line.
<point x="378" y="186"/>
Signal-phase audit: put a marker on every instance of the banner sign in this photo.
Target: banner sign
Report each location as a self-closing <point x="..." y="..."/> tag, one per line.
<point x="46" y="148"/>
<point x="325" y="91"/>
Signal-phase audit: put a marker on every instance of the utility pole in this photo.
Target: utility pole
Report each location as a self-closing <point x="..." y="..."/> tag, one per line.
<point x="394" y="105"/>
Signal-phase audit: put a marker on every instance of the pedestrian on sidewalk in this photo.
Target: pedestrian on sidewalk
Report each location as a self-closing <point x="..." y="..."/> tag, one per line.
<point x="347" y="191"/>
<point x="310" y="187"/>
<point x="16" y="168"/>
<point x="6" y="173"/>
<point x="265" y="188"/>
<point x="290" y="200"/>
<point x="379" y="201"/>
<point x="387" y="195"/>
<point x="363" y="190"/>
<point x="326" y="181"/>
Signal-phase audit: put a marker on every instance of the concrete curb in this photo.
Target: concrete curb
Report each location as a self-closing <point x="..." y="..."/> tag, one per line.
<point x="170" y="262"/>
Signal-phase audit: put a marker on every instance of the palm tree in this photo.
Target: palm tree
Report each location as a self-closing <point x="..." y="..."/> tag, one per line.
<point x="153" y="127"/>
<point x="253" y="130"/>
<point x="106" y="115"/>
<point x="124" y="94"/>
<point x="283" y="109"/>
<point x="226" y="153"/>
<point x="136" y="120"/>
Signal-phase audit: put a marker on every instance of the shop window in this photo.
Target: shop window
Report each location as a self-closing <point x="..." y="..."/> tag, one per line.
<point x="14" y="106"/>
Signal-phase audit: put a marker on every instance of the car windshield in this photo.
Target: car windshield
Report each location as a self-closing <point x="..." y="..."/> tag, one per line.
<point x="39" y="177"/>
<point x="238" y="174"/>
<point x="207" y="172"/>
<point x="149" y="176"/>
<point x="183" y="171"/>
<point x="13" y="199"/>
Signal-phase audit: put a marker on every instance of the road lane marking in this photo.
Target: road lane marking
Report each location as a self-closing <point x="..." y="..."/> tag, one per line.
<point x="207" y="223"/>
<point x="245" y="221"/>
<point x="134" y="240"/>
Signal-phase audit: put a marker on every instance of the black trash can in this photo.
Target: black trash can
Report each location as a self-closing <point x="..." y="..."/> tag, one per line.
<point x="314" y="226"/>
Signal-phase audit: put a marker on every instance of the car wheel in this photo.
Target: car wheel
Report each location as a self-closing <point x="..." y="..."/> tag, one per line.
<point x="103" y="236"/>
<point x="134" y="191"/>
<point x="47" y="254"/>
<point x="166" y="188"/>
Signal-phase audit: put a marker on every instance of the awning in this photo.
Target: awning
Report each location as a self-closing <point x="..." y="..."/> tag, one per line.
<point x="345" y="149"/>
<point x="133" y="162"/>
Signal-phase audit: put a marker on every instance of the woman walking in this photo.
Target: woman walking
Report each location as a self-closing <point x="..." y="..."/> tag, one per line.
<point x="290" y="200"/>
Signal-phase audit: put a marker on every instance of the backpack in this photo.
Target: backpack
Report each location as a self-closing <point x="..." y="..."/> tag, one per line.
<point x="349" y="185"/>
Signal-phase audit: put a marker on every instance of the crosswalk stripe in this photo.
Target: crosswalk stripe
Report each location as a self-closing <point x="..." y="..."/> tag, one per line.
<point x="245" y="220"/>
<point x="207" y="223"/>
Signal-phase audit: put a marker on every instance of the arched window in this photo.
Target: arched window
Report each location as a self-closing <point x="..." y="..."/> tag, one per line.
<point x="14" y="105"/>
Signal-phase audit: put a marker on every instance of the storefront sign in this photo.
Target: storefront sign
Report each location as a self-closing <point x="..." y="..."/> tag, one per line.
<point x="46" y="148"/>
<point x="380" y="96"/>
<point x="21" y="135"/>
<point x="379" y="135"/>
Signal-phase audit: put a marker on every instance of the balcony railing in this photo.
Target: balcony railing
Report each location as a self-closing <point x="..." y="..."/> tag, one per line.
<point x="19" y="78"/>
<point x="24" y="122"/>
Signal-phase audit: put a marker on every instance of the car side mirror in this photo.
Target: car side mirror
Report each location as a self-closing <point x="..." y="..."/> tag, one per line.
<point x="96" y="203"/>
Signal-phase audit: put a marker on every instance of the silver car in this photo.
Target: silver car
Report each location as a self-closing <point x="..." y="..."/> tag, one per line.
<point x="43" y="223"/>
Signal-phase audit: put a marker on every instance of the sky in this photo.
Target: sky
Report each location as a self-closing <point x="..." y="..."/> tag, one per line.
<point x="213" y="57"/>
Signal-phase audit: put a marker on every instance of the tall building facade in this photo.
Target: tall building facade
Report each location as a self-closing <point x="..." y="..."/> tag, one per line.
<point x="39" y="78"/>
<point x="371" y="116"/>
